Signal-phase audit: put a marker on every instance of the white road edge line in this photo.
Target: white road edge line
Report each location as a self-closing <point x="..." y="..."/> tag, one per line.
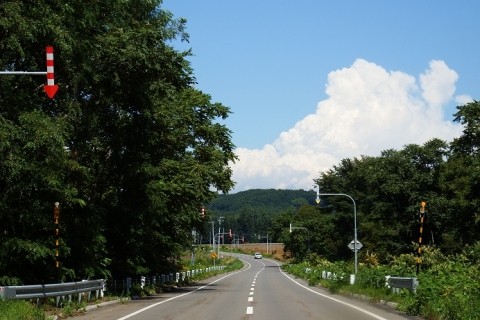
<point x="333" y="299"/>
<point x="182" y="295"/>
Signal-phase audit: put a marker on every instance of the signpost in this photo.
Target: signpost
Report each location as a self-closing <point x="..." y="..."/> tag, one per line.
<point x="50" y="88"/>
<point x="213" y="255"/>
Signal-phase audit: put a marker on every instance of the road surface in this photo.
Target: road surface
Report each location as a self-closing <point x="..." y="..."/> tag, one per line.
<point x="261" y="290"/>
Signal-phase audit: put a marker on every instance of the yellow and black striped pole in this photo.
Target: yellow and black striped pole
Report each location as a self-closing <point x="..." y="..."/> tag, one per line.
<point x="423" y="204"/>
<point x="56" y="217"/>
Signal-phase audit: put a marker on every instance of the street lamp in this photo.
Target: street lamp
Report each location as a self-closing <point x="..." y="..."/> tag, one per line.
<point x="355" y="242"/>
<point x="303" y="228"/>
<point x="263" y="237"/>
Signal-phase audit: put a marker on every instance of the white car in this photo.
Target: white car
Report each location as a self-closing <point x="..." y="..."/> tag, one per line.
<point x="258" y="255"/>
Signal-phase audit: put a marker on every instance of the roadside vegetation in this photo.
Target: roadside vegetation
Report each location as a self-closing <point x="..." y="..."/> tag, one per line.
<point x="202" y="261"/>
<point x="449" y="286"/>
<point x="28" y="310"/>
<point x="139" y="160"/>
<point x="20" y="310"/>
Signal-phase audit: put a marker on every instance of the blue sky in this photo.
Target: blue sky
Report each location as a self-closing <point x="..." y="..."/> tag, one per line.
<point x="309" y="80"/>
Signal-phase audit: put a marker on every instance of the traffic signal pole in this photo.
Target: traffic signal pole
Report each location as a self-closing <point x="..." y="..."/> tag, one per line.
<point x="419" y="250"/>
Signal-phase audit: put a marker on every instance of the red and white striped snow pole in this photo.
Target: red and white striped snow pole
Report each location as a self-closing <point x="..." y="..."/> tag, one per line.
<point x="50" y="88"/>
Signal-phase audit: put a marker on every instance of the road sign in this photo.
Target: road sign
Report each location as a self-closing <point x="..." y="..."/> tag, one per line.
<point x="213" y="255"/>
<point x="352" y="246"/>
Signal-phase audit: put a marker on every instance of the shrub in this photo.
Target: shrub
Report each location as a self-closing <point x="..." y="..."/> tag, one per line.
<point x="449" y="285"/>
<point x="11" y="309"/>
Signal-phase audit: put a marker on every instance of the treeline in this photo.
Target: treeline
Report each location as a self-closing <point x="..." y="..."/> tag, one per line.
<point x="131" y="150"/>
<point x="128" y="147"/>
<point x="387" y="189"/>
<point x="249" y="214"/>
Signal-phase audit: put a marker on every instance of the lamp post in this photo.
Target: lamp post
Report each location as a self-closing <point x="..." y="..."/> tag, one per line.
<point x="263" y="237"/>
<point x="308" y="234"/>
<point x="354" y="220"/>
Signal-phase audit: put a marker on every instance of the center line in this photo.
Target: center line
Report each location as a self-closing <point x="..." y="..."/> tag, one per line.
<point x="249" y="310"/>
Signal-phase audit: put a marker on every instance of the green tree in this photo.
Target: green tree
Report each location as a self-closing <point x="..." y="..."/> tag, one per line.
<point x="128" y="147"/>
<point x="387" y="190"/>
<point x="460" y="184"/>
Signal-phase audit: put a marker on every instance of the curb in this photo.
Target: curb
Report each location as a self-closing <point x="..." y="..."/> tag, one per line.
<point x="94" y="306"/>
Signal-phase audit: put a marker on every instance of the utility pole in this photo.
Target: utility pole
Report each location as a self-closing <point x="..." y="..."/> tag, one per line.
<point x="220" y="220"/>
<point x="212" y="238"/>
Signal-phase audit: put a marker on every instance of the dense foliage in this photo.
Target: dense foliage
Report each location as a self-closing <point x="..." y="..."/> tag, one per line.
<point x="250" y="214"/>
<point x="128" y="147"/>
<point x="132" y="151"/>
<point x="23" y="310"/>
<point x="449" y="285"/>
<point x="387" y="190"/>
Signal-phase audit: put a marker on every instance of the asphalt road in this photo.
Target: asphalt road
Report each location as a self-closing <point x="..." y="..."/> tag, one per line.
<point x="259" y="291"/>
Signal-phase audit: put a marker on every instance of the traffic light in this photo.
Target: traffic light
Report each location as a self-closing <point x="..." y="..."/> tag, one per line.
<point x="230" y="233"/>
<point x="202" y="213"/>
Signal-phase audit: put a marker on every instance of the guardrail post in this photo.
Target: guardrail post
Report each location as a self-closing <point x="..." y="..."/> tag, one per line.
<point x="7" y="293"/>
<point x="104" y="285"/>
<point x="128" y="284"/>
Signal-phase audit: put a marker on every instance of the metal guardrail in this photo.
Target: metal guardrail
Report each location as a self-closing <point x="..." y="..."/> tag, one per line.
<point x="402" y="282"/>
<point x="68" y="289"/>
<point x="38" y="291"/>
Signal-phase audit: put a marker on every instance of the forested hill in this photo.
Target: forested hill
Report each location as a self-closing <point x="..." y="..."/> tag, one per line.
<point x="265" y="200"/>
<point x="250" y="214"/>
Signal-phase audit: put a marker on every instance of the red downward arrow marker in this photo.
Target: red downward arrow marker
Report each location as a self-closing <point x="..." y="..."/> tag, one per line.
<point x="50" y="88"/>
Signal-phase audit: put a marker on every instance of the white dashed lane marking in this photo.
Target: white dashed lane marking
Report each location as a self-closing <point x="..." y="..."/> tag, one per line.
<point x="252" y="289"/>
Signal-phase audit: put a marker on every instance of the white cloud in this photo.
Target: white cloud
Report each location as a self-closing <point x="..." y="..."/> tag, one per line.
<point x="438" y="83"/>
<point x="368" y="110"/>
<point x="463" y="99"/>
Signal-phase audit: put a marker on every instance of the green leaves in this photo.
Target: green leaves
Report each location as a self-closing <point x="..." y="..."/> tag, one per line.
<point x="388" y="190"/>
<point x="128" y="147"/>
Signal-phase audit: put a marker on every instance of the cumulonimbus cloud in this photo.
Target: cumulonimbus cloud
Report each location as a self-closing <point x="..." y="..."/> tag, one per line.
<point x="368" y="110"/>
